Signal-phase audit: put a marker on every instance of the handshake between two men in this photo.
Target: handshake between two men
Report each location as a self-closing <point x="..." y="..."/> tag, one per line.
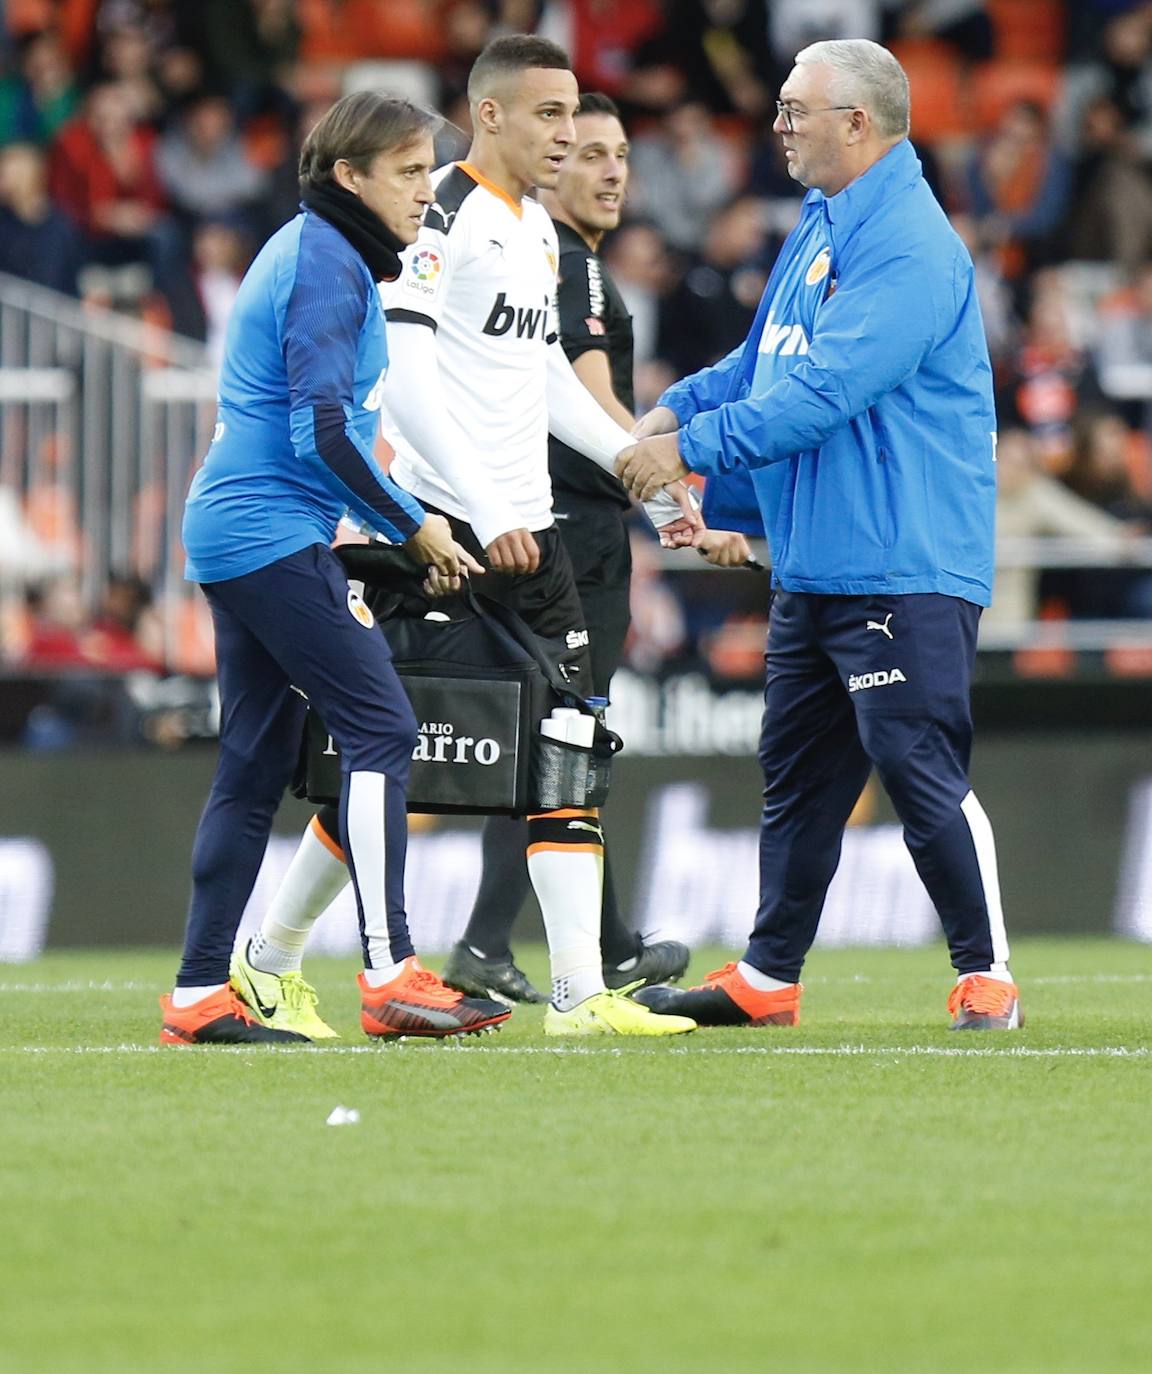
<point x="650" y="466"/>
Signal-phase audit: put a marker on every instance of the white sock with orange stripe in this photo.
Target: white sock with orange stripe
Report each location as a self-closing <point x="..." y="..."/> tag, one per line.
<point x="566" y="865"/>
<point x="315" y="877"/>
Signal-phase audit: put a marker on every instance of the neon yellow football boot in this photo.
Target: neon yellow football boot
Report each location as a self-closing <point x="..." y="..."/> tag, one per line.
<point x="613" y="1013"/>
<point x="281" y="1000"/>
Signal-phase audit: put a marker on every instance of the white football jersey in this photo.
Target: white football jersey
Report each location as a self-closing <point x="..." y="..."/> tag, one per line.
<point x="483" y="275"/>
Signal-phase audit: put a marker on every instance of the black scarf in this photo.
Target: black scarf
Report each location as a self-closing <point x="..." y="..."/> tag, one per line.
<point x="366" y="232"/>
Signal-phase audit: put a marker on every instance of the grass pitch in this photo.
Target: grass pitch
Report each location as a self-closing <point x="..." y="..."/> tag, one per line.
<point x="866" y="1192"/>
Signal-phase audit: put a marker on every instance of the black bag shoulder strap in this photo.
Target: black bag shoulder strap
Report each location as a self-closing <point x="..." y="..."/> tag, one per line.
<point x="389" y="570"/>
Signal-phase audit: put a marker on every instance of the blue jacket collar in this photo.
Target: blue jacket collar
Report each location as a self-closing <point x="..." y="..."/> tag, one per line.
<point x="895" y="171"/>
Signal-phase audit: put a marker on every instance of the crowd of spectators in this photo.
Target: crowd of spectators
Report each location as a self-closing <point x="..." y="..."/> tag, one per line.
<point x="147" y="147"/>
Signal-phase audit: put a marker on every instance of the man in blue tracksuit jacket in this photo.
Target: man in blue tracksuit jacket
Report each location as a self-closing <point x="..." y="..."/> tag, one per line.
<point x="859" y="412"/>
<point x="300" y="389"/>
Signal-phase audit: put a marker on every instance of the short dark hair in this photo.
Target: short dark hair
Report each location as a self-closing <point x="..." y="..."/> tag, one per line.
<point x="358" y="128"/>
<point x="596" y="102"/>
<point x="515" y="52"/>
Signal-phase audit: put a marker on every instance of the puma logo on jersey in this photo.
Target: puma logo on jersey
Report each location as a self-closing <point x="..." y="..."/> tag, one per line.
<point x="527" y="322"/>
<point x="783" y="339"/>
<point x="883" y="628"/>
<point x="436" y="218"/>
<point x="883" y="677"/>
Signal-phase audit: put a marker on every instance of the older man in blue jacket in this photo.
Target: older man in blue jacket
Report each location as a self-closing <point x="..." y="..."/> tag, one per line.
<point x="860" y="408"/>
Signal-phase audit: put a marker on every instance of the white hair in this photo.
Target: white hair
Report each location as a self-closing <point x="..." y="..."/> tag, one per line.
<point x="867" y="76"/>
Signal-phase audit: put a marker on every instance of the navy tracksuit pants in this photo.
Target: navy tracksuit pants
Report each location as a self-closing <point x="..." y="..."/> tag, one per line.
<point x="296" y="624"/>
<point x="856" y="682"/>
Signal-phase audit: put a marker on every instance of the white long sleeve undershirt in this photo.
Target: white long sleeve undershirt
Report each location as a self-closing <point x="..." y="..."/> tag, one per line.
<point x="577" y="419"/>
<point x="414" y="396"/>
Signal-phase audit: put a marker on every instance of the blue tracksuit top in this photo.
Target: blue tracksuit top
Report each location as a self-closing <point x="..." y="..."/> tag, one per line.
<point x="861" y="403"/>
<point x="300" y="385"/>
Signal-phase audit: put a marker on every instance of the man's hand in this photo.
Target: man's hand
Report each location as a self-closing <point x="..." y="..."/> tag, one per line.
<point x="514" y="552"/>
<point x="659" y="420"/>
<point x="648" y="466"/>
<point x="433" y="547"/>
<point x="439" y="583"/>
<point x="723" y="548"/>
<point x="680" y="534"/>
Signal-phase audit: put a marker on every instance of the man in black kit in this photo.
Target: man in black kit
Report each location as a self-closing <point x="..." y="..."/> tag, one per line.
<point x="590" y="507"/>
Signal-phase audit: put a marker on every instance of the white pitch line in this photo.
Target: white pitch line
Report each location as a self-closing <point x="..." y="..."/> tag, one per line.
<point x="820" y="1051"/>
<point x="1089" y="978"/>
<point x="76" y="985"/>
<point x="108" y="985"/>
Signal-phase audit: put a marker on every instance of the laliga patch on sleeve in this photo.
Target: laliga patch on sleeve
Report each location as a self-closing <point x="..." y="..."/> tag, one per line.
<point x="424" y="273"/>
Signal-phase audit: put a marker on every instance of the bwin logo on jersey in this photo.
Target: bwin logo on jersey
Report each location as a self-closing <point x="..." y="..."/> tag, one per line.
<point x="783" y="339"/>
<point x="527" y="322"/>
<point x="883" y="677"/>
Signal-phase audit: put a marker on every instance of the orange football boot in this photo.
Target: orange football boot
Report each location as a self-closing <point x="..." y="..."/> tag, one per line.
<point x="981" y="1003"/>
<point x="219" y="1019"/>
<point x="726" y="998"/>
<point x="416" y="1002"/>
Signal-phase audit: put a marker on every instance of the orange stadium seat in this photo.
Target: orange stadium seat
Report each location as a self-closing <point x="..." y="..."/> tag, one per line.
<point x="76" y="24"/>
<point x="344" y="30"/>
<point x="938" y="87"/>
<point x="1054" y="660"/>
<point x="28" y="16"/>
<point x="996" y="85"/>
<point x="265" y="140"/>
<point x="1029" y="30"/>
<point x="1129" y="660"/>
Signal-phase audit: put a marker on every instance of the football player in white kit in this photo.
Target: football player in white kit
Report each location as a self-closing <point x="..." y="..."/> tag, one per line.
<point x="478" y="379"/>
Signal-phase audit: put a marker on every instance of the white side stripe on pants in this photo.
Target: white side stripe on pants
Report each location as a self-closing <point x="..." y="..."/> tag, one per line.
<point x="981" y="830"/>
<point x="367" y="859"/>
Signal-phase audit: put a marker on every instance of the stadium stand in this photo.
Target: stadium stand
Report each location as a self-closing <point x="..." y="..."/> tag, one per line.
<point x="146" y="149"/>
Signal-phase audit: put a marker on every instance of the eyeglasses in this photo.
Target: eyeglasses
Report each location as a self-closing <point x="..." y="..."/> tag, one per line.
<point x="790" y="115"/>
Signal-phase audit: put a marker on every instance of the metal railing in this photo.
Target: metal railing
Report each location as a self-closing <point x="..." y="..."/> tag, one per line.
<point x="103" y="420"/>
<point x="1034" y="552"/>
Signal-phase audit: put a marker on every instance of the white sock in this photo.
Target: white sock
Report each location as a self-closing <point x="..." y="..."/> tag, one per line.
<point x="569" y="885"/>
<point x="188" y="997"/>
<point x="997" y="971"/>
<point x="760" y="981"/>
<point x="377" y="977"/>
<point x="315" y="877"/>
<point x="273" y="954"/>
